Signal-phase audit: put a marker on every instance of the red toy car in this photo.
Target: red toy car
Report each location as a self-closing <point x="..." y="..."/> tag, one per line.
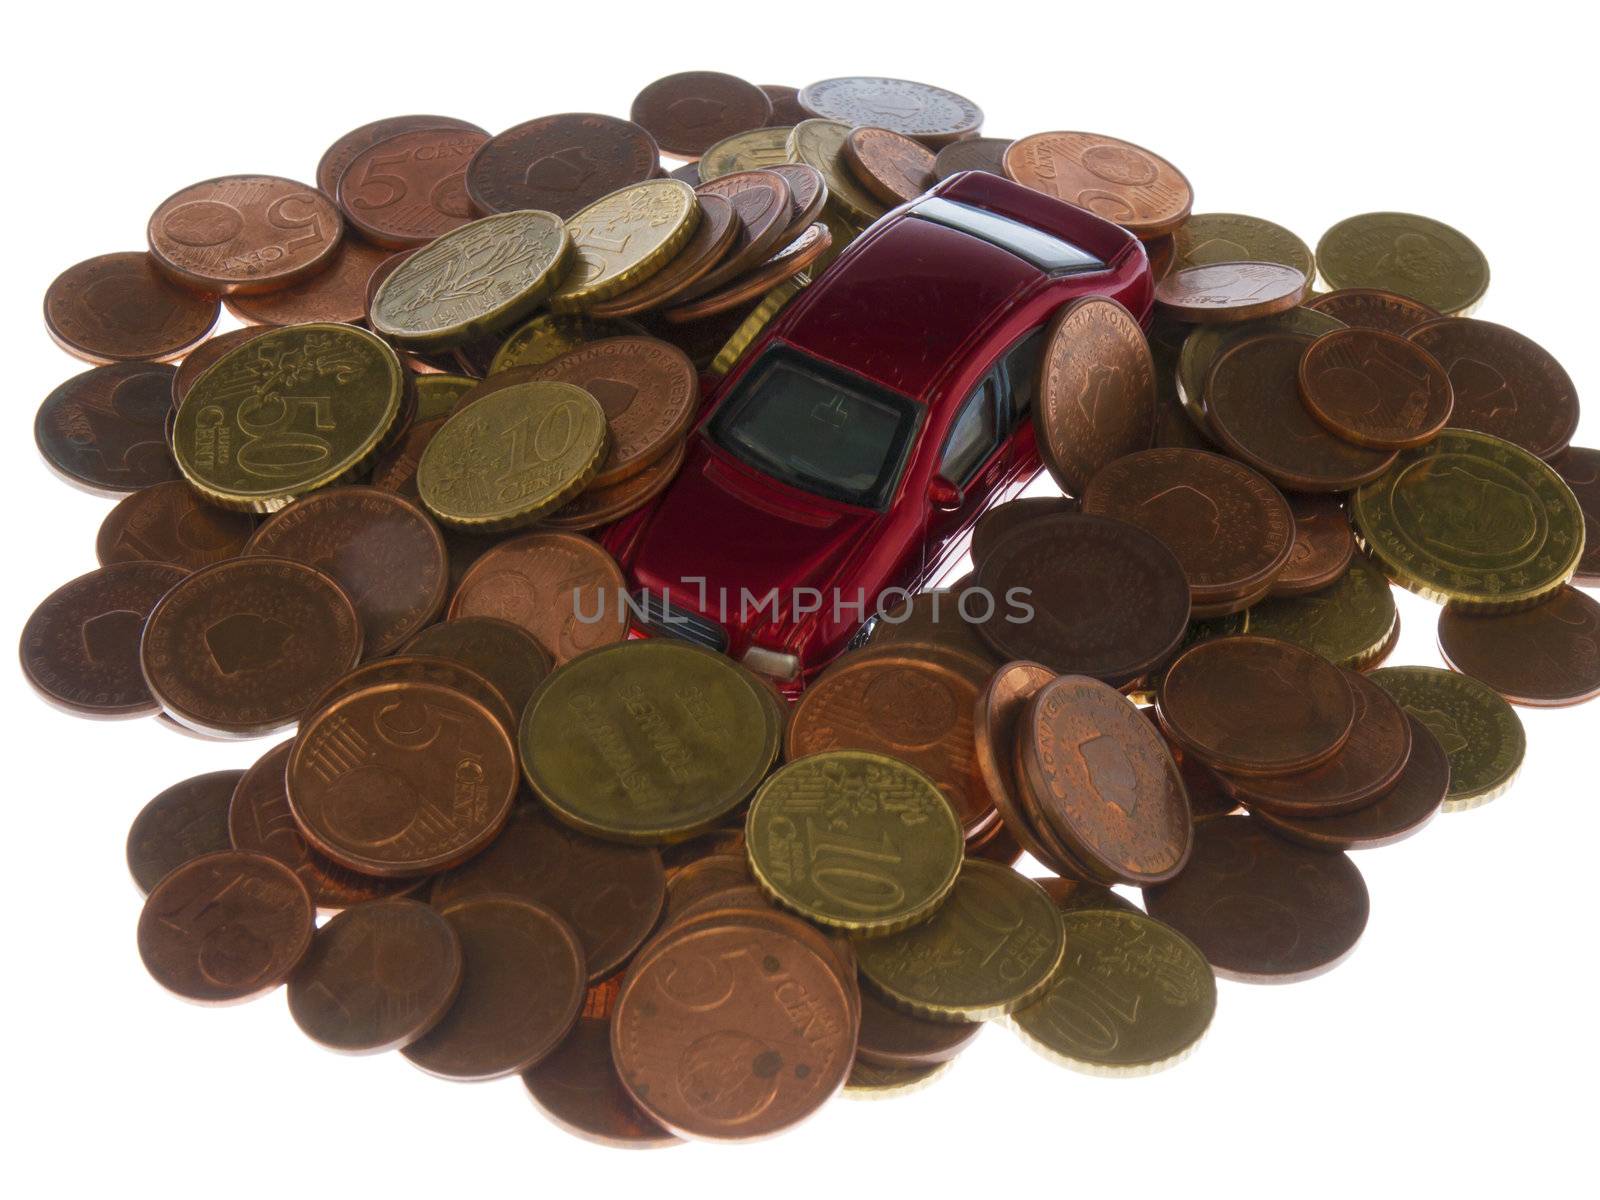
<point x="852" y="447"/>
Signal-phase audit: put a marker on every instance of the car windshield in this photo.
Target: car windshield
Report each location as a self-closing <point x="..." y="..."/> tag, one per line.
<point x="818" y="428"/>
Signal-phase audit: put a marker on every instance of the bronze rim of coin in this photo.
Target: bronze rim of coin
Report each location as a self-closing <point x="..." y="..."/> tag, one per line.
<point x="1579" y="468"/>
<point x="561" y="163"/>
<point x="119" y="308"/>
<point x="346" y="994"/>
<point x="688" y="112"/>
<point x="541" y="582"/>
<point x="169" y="523"/>
<point x="179" y="824"/>
<point x="1114" y="179"/>
<point x="1253" y="401"/>
<point x="225" y="927"/>
<point x="1324" y="546"/>
<point x="1261" y="909"/>
<point x="200" y="359"/>
<point x="244" y="233"/>
<point x="610" y="894"/>
<point x="1371" y="308"/>
<point x="396" y="468"/>
<point x="423" y="668"/>
<point x="337" y="156"/>
<point x="787" y="263"/>
<point x="1375" y="389"/>
<point x="338" y="294"/>
<point x="972" y="154"/>
<point x="383" y="550"/>
<point x="1256" y="706"/>
<point x="104" y="430"/>
<point x="808" y="192"/>
<point x="80" y="647"/>
<point x="595" y="507"/>
<point x="1097" y="392"/>
<point x="932" y="115"/>
<point x="1230" y="293"/>
<point x="410" y="188"/>
<point x="714" y="236"/>
<point x="891" y="1038"/>
<point x="1078" y="621"/>
<point x="1105" y="782"/>
<point x="1365" y="767"/>
<point x="1064" y="860"/>
<point x="506" y="655"/>
<point x="762" y="202"/>
<point x="577" y="1087"/>
<point x="1000" y="520"/>
<point x="522" y="988"/>
<point x="1230" y="527"/>
<point x="1546" y="656"/>
<point x="893" y="167"/>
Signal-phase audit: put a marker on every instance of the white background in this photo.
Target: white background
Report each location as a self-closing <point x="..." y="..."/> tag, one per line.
<point x="1455" y="1051"/>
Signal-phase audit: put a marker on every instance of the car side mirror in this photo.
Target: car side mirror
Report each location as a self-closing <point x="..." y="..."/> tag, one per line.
<point x="944" y="495"/>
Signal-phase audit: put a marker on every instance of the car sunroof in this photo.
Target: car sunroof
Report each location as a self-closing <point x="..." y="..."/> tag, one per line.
<point x="1037" y="247"/>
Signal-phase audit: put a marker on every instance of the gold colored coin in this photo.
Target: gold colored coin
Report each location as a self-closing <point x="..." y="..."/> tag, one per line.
<point x="437" y="395"/>
<point x="548" y="336"/>
<point x="819" y="143"/>
<point x="295" y="409"/>
<point x="477" y="278"/>
<point x="1412" y="256"/>
<point x="624" y="238"/>
<point x="1132" y="996"/>
<point x="760" y="317"/>
<point x="512" y="455"/>
<point x="1206" y="343"/>
<point x="1472" y="520"/>
<point x="1349" y="622"/>
<point x="647" y="741"/>
<point x="989" y="950"/>
<point x="1480" y="733"/>
<point x="854" y="840"/>
<point x="1206" y="238"/>
<point x="748" y="151"/>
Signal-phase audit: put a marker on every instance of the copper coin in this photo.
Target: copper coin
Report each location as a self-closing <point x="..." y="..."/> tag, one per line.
<point x="1117" y="180"/>
<point x="1228" y="293"/>
<point x="402" y="778"/>
<point x="1375" y="389"/>
<point x="1580" y="468"/>
<point x="708" y="1038"/>
<point x="577" y="1087"/>
<point x="920" y="110"/>
<point x="181" y="823"/>
<point x="259" y="820"/>
<point x="119" y="308"/>
<point x="546" y="582"/>
<point x="396" y="469"/>
<point x="1253" y="400"/>
<point x="1000" y="520"/>
<point x="1323" y="546"/>
<point x="423" y="668"/>
<point x="225" y="927"/>
<point x="934" y="616"/>
<point x="1365" y="767"/>
<point x="1369" y="308"/>
<point x="169" y="523"/>
<point x="1208" y="798"/>
<point x="1261" y="909"/>
<point x="506" y="655"/>
<point x="648" y="390"/>
<point x="1256" y="706"/>
<point x="704" y="877"/>
<point x="762" y="203"/>
<point x="80" y="648"/>
<point x="972" y="154"/>
<point x="520" y="992"/>
<point x="410" y="188"/>
<point x="1229" y="527"/>
<point x="1105" y="782"/>
<point x="1100" y="597"/>
<point x="105" y="430"/>
<point x="337" y="294"/>
<point x="688" y="112"/>
<point x="729" y="839"/>
<point x="793" y="258"/>
<point x="560" y="163"/>
<point x="912" y="702"/>
<point x="893" y="167"/>
<point x="1506" y="385"/>
<point x="891" y="1038"/>
<point x="785" y="100"/>
<point x="688" y="173"/>
<point x="594" y="507"/>
<point x="203" y="356"/>
<point x="1401" y="811"/>
<point x="242" y="647"/>
<point x="743" y="898"/>
<point x="1544" y="656"/>
<point x="715" y="234"/>
<point x="610" y="894"/>
<point x="244" y="233"/>
<point x="339" y="155"/>
<point x="377" y="977"/>
<point x="383" y="550"/>
<point x="1097" y="392"/>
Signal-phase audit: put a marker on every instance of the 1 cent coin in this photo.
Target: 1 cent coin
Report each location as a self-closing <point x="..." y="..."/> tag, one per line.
<point x="181" y="823"/>
<point x="560" y="163"/>
<point x="244" y="233"/>
<point x="1375" y="389"/>
<point x="1323" y="546"/>
<point x="1231" y="292"/>
<point x="104" y="430"/>
<point x="577" y="1087"/>
<point x="1117" y="180"/>
<point x="1370" y="308"/>
<point x="1543" y="656"/>
<point x="688" y="112"/>
<point x="119" y="308"/>
<point x="1579" y="467"/>
<point x="920" y="110"/>
<point x="893" y="167"/>
<point x="168" y="523"/>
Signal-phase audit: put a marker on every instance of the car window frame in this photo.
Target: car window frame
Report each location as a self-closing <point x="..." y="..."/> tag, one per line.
<point x="1005" y="422"/>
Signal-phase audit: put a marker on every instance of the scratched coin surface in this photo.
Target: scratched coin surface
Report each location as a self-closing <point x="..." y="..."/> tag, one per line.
<point x="1371" y="308"/>
<point x="559" y="163"/>
<point x="893" y="167"/>
<point x="244" y="233"/>
<point x="377" y="977"/>
<point x="338" y="294"/>
<point x="1206" y="238"/>
<point x="890" y="1037"/>
<point x="611" y="895"/>
<point x="338" y="156"/>
<point x="401" y="778"/>
<point x="1543" y="656"/>
<point x="104" y="430"/>
<point x="930" y="114"/>
<point x="1263" y="910"/>
<point x="410" y="188"/>
<point x="688" y="112"/>
<point x="622" y="239"/>
<point x="80" y="648"/>
<point x="1114" y="179"/>
<point x="989" y="950"/>
<point x="1323" y="546"/>
<point x="1412" y="256"/>
<point x="854" y="841"/>
<point x="1375" y="389"/>
<point x="504" y="655"/>
<point x="647" y="741"/>
<point x="1351" y="622"/>
<point x="522" y="987"/>
<point x="1131" y="997"/>
<point x="577" y="1087"/>
<point x="1097" y="392"/>
<point x="1579" y="468"/>
<point x="1481" y="734"/>
<point x="118" y="307"/>
<point x="180" y="823"/>
<point x="1230" y="292"/>
<point x="225" y="927"/>
<point x="242" y="647"/>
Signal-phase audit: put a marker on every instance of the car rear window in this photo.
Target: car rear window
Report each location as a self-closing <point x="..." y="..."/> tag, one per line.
<point x="1043" y="250"/>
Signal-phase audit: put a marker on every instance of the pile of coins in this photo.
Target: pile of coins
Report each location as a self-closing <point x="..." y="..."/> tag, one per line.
<point x="677" y="901"/>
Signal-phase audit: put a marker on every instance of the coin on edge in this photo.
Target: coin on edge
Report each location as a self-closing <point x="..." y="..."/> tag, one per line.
<point x="622" y="239"/>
